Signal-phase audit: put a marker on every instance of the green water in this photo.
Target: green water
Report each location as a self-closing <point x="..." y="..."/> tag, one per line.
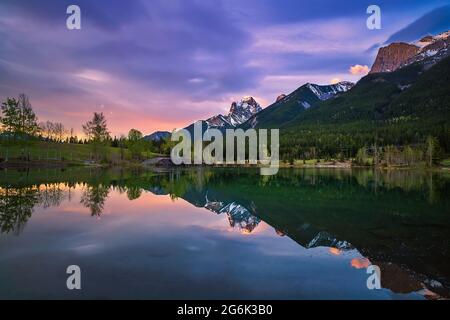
<point x="224" y="233"/>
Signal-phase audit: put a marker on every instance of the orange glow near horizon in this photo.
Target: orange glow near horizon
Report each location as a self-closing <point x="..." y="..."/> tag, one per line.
<point x="149" y="207"/>
<point x="120" y="118"/>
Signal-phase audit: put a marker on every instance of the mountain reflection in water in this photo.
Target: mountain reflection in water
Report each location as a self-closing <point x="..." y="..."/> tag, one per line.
<point x="399" y="220"/>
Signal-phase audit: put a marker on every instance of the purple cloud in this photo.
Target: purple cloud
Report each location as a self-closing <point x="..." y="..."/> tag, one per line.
<point x="164" y="63"/>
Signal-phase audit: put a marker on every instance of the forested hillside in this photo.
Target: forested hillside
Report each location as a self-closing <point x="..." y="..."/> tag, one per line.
<point x="397" y="108"/>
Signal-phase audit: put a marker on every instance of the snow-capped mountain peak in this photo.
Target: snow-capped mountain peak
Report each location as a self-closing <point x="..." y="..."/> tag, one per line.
<point x="432" y="49"/>
<point x="240" y="111"/>
<point x="425" y="41"/>
<point x="427" y="51"/>
<point x="238" y="216"/>
<point x="328" y="91"/>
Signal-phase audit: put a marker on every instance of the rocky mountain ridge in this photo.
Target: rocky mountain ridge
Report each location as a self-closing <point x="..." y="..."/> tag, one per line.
<point x="400" y="54"/>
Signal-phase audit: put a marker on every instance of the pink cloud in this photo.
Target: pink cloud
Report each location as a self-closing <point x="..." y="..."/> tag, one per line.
<point x="359" y="70"/>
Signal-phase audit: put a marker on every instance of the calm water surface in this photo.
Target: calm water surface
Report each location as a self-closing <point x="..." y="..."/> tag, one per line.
<point x="215" y="233"/>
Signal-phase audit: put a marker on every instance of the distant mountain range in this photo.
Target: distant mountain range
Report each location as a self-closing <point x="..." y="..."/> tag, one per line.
<point x="399" y="107"/>
<point x="157" y="136"/>
<point x="412" y="90"/>
<point x="247" y="113"/>
<point x="400" y="54"/>
<point x="301" y="99"/>
<point x="381" y="95"/>
<point x="403" y="87"/>
<point x="239" y="113"/>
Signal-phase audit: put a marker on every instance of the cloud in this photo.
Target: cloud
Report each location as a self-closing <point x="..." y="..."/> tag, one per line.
<point x="159" y="63"/>
<point x="323" y="36"/>
<point x="185" y="55"/>
<point x="359" y="70"/>
<point x="360" y="263"/>
<point x="435" y="21"/>
<point x="163" y="51"/>
<point x="261" y="12"/>
<point x="196" y="80"/>
<point x="335" y="80"/>
<point x="107" y="15"/>
<point x="93" y="75"/>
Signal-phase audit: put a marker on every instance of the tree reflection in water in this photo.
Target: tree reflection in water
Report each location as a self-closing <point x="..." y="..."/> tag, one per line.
<point x="133" y="193"/>
<point x="51" y="195"/>
<point x="94" y="198"/>
<point x="16" y="207"/>
<point x="397" y="220"/>
<point x="17" y="203"/>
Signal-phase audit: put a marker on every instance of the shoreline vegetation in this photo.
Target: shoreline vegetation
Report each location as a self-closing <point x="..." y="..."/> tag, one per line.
<point x="27" y="143"/>
<point x="159" y="161"/>
<point x="60" y="155"/>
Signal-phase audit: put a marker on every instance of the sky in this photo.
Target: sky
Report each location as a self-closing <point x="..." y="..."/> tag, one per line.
<point x="163" y="64"/>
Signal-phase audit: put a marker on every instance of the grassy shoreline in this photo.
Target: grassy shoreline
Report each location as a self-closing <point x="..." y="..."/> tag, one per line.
<point x="49" y="164"/>
<point x="51" y="154"/>
<point x="61" y="155"/>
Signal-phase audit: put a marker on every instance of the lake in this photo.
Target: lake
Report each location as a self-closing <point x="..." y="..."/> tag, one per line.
<point x="224" y="233"/>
